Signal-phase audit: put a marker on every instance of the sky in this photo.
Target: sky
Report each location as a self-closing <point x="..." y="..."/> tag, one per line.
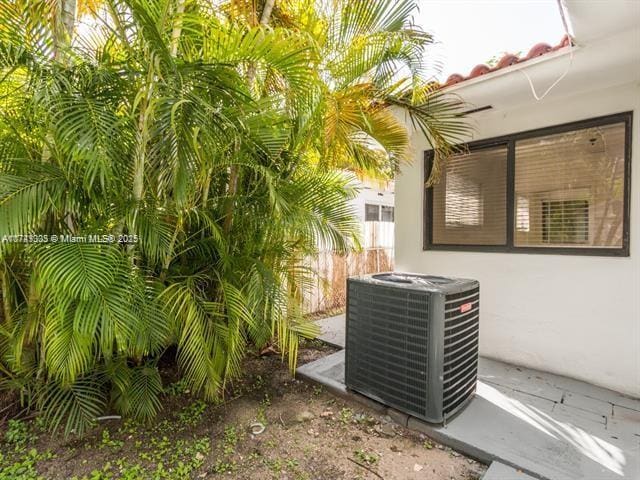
<point x="470" y="32"/>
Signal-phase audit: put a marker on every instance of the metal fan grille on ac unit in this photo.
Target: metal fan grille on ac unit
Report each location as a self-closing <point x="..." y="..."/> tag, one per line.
<point x="388" y="332"/>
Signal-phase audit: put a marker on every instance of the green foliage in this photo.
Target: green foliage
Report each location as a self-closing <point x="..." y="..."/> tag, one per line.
<point x="18" y="433"/>
<point x="108" y="442"/>
<point x="230" y="440"/>
<point x="191" y="414"/>
<point x="18" y="458"/>
<point x="177" y="388"/>
<point x="21" y="467"/>
<point x="366" y="457"/>
<point x="346" y="415"/>
<point x="192" y="156"/>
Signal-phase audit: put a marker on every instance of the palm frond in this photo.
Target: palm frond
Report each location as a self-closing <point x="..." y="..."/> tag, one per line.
<point x="76" y="405"/>
<point x="80" y="270"/>
<point x="144" y="392"/>
<point x="28" y="193"/>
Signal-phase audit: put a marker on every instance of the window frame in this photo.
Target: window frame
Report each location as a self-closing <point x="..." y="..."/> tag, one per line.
<point x="510" y="141"/>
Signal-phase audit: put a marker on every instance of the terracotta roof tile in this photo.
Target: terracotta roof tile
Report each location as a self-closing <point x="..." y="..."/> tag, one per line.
<point x="537" y="50"/>
<point x="453" y="79"/>
<point x="479" y="70"/>
<point x="507" y="60"/>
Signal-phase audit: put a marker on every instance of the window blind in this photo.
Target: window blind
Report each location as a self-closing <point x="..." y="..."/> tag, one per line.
<point x="569" y="188"/>
<point x="469" y="201"/>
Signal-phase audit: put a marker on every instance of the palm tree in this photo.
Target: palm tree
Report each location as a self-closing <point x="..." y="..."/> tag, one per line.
<point x="198" y="153"/>
<point x="372" y="61"/>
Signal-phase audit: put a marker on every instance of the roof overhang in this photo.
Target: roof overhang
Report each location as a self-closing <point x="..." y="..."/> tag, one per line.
<point x="592" y="20"/>
<point x="610" y="61"/>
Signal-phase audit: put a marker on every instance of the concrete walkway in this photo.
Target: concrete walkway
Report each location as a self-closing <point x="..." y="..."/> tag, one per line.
<point x="332" y="330"/>
<point x="544" y="425"/>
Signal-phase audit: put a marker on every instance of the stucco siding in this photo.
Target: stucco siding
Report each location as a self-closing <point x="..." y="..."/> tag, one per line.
<point x="573" y="315"/>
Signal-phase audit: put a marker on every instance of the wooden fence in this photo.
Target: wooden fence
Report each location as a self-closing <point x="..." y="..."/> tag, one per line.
<point x="332" y="270"/>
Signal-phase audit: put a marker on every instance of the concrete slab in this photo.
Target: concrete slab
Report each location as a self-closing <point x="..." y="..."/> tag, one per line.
<point x="555" y="387"/>
<point x="627" y="414"/>
<point x="628" y="431"/>
<point x="527" y="399"/>
<point x="532" y="433"/>
<point x="582" y="418"/>
<point x="589" y="404"/>
<point x="500" y="471"/>
<point x="519" y="379"/>
<point x="332" y="330"/>
<point x="328" y="371"/>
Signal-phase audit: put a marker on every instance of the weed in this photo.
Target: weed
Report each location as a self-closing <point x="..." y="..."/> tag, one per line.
<point x="275" y="465"/>
<point x="230" y="440"/>
<point x="222" y="466"/>
<point x="253" y="456"/>
<point x="177" y="388"/>
<point x="107" y="441"/>
<point x="346" y="415"/>
<point x="261" y="415"/>
<point x="18" y="433"/>
<point x="191" y="414"/>
<point x="22" y="467"/>
<point x="258" y="383"/>
<point x="364" y="419"/>
<point x="368" y="458"/>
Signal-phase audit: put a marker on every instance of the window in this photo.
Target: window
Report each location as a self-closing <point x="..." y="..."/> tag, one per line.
<point x="469" y="201"/>
<point x="561" y="189"/>
<point x="574" y="183"/>
<point x="371" y="213"/>
<point x="378" y="213"/>
<point x="386" y="214"/>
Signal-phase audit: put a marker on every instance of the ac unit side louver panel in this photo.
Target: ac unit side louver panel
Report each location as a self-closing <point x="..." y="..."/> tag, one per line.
<point x="412" y="342"/>
<point x="461" y="335"/>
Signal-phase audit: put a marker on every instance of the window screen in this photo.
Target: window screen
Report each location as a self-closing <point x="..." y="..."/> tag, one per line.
<point x="371" y="212"/>
<point x="386" y="213"/>
<point x="469" y="201"/>
<point x="569" y="188"/>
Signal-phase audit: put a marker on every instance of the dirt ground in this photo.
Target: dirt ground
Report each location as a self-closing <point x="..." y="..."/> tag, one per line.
<point x="309" y="434"/>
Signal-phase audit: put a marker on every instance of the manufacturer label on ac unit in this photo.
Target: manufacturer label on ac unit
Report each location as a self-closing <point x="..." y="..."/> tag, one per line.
<point x="465" y="307"/>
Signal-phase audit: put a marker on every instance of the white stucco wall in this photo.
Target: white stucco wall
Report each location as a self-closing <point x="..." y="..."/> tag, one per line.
<point x="374" y="234"/>
<point x="370" y="191"/>
<point x="573" y="315"/>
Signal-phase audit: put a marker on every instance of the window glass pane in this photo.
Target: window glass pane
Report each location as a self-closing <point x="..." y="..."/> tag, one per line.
<point x="569" y="189"/>
<point x="463" y="201"/>
<point x="469" y="201"/>
<point x="522" y="214"/>
<point x="386" y="214"/>
<point x="371" y="212"/>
